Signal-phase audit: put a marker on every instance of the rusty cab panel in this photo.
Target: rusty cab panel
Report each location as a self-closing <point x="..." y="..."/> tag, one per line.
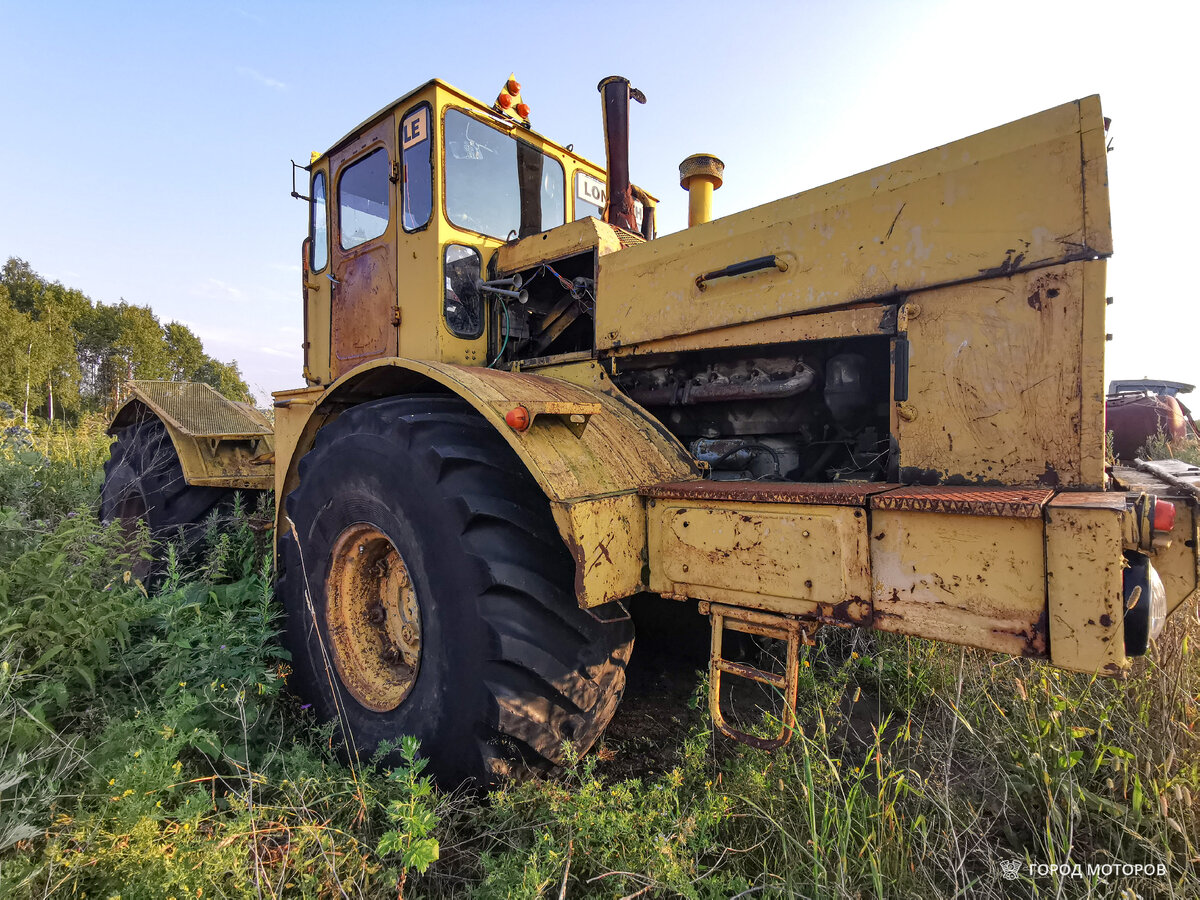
<point x="364" y="251"/>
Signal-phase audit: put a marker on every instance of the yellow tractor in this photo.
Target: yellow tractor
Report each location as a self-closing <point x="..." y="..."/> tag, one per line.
<point x="877" y="403"/>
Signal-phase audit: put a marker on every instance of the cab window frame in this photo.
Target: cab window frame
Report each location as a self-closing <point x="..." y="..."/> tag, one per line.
<point x="376" y="147"/>
<point x="312" y="221"/>
<point x="433" y="150"/>
<point x="478" y="299"/>
<point x="513" y="133"/>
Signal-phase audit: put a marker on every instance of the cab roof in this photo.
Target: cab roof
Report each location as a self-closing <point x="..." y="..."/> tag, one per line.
<point x="462" y="95"/>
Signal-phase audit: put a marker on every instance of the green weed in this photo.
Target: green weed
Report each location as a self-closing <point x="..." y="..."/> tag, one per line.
<point x="1158" y="447"/>
<point x="148" y="749"/>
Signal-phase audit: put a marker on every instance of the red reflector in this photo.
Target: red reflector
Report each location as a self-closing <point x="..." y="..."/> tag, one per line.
<point x="513" y="86"/>
<point x="523" y="110"/>
<point x="504" y="101"/>
<point x="517" y="418"/>
<point x="1164" y="515"/>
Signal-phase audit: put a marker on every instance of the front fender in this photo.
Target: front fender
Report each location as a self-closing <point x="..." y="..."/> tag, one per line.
<point x="588" y="447"/>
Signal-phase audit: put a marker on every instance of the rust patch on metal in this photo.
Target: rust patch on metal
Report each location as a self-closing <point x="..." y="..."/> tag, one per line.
<point x="931" y="477"/>
<point x="580" y="556"/>
<point x="1049" y="477"/>
<point x="1011" y="264"/>
<point x="833" y="494"/>
<point x="851" y="611"/>
<point x="1033" y="636"/>
<point x="1020" y="503"/>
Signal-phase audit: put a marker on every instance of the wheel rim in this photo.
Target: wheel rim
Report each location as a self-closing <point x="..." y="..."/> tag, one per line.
<point x="373" y="618"/>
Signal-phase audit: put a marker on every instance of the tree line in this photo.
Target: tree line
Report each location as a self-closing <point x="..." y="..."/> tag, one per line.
<point x="62" y="354"/>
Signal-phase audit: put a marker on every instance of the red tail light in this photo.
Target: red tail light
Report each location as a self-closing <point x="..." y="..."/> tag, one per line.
<point x="1164" y="515"/>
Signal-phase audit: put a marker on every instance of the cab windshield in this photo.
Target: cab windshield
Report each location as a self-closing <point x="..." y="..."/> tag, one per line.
<point x="497" y="185"/>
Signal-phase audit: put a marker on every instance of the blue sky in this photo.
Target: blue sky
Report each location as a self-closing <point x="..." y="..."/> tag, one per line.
<point x="147" y="146"/>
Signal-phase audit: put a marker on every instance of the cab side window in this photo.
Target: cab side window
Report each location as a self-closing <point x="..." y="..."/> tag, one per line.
<point x="364" y="191"/>
<point x="416" y="151"/>
<point x="318" y="227"/>
<point x="464" y="303"/>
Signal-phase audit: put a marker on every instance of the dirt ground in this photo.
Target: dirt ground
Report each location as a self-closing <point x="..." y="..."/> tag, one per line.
<point x="669" y="658"/>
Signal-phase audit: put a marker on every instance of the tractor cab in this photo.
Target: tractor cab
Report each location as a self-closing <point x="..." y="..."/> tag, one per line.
<point x="407" y="213"/>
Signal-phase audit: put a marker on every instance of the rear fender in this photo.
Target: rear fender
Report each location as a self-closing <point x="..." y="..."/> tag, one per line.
<point x="219" y="443"/>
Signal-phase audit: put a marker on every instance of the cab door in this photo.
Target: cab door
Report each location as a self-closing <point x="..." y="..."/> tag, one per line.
<point x="364" y="312"/>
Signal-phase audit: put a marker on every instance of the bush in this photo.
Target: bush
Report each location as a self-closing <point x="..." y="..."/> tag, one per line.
<point x="610" y="839"/>
<point x="47" y="472"/>
<point x="146" y="747"/>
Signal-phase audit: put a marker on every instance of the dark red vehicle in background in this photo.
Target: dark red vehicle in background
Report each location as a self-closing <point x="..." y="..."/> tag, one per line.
<point x="1137" y="411"/>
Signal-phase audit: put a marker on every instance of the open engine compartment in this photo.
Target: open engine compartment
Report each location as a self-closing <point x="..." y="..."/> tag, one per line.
<point x="807" y="411"/>
<point x="811" y="411"/>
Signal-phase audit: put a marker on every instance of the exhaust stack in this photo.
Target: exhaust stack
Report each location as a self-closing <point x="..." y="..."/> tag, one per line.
<point x="615" y="94"/>
<point x="700" y="175"/>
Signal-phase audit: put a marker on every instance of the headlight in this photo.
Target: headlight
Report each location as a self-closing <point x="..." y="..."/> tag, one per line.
<point x="1145" y="604"/>
<point x="1158" y="604"/>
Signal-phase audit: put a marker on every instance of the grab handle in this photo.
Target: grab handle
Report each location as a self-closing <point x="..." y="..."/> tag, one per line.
<point x="742" y="268"/>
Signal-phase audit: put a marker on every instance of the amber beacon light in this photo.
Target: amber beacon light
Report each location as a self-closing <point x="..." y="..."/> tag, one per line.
<point x="509" y="101"/>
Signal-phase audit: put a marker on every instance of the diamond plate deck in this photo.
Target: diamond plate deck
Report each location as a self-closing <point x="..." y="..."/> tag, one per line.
<point x="832" y="494"/>
<point x="1015" y="503"/>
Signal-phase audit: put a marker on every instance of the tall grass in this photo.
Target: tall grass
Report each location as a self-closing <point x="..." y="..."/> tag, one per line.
<point x="149" y="748"/>
<point x="1158" y="447"/>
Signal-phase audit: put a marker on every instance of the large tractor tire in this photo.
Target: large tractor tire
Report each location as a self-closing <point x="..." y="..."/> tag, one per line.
<point x="428" y="593"/>
<point x="144" y="480"/>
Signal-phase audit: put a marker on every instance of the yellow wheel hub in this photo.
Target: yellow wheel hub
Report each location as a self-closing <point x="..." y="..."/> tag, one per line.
<point x="373" y="617"/>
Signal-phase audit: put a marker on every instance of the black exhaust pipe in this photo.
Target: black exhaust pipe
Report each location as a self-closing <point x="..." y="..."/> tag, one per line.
<point x="615" y="94"/>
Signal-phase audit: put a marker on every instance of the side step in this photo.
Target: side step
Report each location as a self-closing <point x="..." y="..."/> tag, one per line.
<point x="763" y="624"/>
